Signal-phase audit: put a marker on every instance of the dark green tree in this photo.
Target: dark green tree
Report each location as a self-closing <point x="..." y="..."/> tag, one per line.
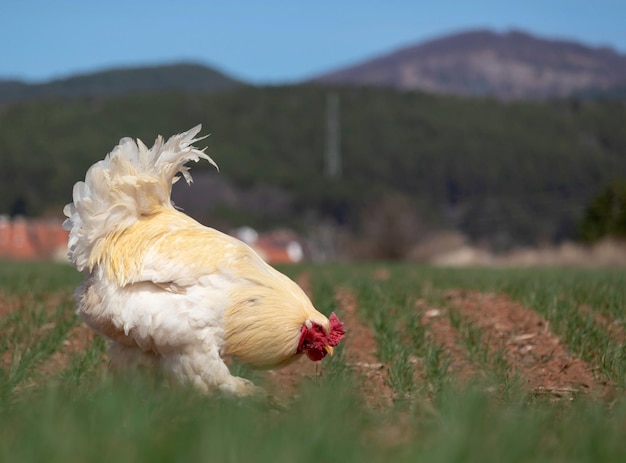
<point x="606" y="214"/>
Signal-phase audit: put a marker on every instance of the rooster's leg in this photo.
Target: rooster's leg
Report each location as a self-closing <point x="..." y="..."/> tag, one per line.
<point x="204" y="369"/>
<point x="125" y="358"/>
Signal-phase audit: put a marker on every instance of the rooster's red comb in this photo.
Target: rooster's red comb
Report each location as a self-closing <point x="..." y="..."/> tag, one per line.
<point x="336" y="330"/>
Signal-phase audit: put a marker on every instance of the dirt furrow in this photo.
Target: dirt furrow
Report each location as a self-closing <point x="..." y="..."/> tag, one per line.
<point x="20" y="334"/>
<point x="442" y="333"/>
<point x="9" y="303"/>
<point x="78" y="339"/>
<point x="360" y="351"/>
<point x="527" y="344"/>
<point x="614" y="328"/>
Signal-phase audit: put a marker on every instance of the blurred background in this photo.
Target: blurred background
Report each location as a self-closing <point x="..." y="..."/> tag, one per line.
<point x="455" y="133"/>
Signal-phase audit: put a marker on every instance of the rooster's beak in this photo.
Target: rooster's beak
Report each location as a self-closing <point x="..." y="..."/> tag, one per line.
<point x="329" y="349"/>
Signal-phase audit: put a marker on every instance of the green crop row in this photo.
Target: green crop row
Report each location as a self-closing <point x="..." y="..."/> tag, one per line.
<point x="77" y="412"/>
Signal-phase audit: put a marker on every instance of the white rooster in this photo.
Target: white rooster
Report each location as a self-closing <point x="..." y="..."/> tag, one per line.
<point x="173" y="294"/>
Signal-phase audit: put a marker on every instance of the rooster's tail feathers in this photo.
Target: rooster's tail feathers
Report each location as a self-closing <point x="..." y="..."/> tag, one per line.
<point x="131" y="181"/>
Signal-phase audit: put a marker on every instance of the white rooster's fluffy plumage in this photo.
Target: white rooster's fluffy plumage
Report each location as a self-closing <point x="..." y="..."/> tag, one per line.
<point x="169" y="292"/>
<point x="128" y="183"/>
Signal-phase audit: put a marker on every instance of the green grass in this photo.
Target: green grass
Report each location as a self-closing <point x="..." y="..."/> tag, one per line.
<point x="79" y="413"/>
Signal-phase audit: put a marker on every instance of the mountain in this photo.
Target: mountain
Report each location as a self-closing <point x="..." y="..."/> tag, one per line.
<point x="183" y="76"/>
<point x="512" y="65"/>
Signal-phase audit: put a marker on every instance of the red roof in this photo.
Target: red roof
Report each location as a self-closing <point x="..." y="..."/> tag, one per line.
<point x="31" y="239"/>
<point x="42" y="239"/>
<point x="280" y="246"/>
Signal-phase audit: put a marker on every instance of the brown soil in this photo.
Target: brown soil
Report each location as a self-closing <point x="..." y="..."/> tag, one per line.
<point x="614" y="328"/>
<point x="527" y="345"/>
<point x="78" y="339"/>
<point x="522" y="337"/>
<point x="381" y="274"/>
<point x="360" y="350"/>
<point x="445" y="336"/>
<point x="7" y="304"/>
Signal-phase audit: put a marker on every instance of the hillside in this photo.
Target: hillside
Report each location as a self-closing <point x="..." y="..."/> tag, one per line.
<point x="184" y="77"/>
<point x="513" y="65"/>
<point x="502" y="172"/>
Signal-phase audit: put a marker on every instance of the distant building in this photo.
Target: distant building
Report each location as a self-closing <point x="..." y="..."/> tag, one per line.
<point x="32" y="239"/>
<point x="277" y="247"/>
<point x="45" y="239"/>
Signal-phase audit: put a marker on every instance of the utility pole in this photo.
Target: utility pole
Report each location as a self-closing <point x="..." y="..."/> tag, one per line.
<point x="333" y="137"/>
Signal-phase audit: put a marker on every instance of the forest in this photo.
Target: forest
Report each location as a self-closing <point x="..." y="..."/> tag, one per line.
<point x="504" y="173"/>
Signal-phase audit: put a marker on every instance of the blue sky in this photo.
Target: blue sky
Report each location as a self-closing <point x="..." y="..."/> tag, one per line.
<point x="269" y="41"/>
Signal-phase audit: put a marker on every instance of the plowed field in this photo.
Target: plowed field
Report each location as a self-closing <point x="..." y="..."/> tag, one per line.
<point x="445" y="365"/>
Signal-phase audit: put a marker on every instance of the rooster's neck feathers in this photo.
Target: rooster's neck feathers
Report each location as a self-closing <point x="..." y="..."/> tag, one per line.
<point x="265" y="318"/>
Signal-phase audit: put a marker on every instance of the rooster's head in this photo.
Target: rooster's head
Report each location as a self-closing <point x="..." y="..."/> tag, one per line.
<point x="317" y="341"/>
